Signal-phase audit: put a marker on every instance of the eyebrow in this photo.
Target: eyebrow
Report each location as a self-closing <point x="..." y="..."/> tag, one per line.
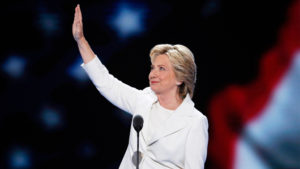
<point x="158" y="65"/>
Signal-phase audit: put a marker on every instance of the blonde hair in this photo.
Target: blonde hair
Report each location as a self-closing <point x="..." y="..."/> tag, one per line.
<point x="183" y="63"/>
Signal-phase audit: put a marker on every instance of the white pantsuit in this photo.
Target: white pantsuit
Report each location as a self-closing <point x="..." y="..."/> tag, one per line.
<point x="181" y="142"/>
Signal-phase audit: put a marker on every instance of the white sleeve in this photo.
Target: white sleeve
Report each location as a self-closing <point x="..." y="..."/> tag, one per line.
<point x="196" y="145"/>
<point x="118" y="93"/>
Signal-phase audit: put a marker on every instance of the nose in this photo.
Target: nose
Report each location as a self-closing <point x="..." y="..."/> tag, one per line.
<point x="153" y="74"/>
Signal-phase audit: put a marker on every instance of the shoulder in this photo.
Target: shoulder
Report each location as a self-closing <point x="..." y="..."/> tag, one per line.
<point x="149" y="93"/>
<point x="197" y="118"/>
<point x="147" y="90"/>
<point x="146" y="96"/>
<point x="198" y="115"/>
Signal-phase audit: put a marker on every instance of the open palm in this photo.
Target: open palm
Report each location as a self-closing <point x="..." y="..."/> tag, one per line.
<point x="77" y="28"/>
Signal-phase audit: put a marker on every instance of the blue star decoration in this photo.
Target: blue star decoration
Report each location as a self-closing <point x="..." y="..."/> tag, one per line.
<point x="128" y="19"/>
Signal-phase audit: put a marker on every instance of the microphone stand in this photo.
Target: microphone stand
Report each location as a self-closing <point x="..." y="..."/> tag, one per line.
<point x="138" y="153"/>
<point x="138" y="125"/>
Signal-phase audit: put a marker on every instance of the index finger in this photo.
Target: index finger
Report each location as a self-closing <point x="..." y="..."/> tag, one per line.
<point x="78" y="12"/>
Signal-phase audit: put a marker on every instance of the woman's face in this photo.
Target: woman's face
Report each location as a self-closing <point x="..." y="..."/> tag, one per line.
<point x="162" y="77"/>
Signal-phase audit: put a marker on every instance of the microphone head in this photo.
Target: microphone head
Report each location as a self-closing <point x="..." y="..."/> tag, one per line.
<point x="138" y="123"/>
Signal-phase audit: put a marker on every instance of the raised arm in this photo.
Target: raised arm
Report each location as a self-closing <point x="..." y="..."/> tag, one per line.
<point x="117" y="92"/>
<point x="85" y="50"/>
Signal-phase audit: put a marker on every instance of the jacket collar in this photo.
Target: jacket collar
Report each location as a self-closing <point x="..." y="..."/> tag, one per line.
<point x="186" y="103"/>
<point x="176" y="122"/>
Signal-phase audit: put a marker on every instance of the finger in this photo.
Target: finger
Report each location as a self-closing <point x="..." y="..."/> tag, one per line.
<point x="76" y="11"/>
<point x="79" y="13"/>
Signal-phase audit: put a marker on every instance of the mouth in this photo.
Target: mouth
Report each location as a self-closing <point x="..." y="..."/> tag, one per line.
<point x="154" y="82"/>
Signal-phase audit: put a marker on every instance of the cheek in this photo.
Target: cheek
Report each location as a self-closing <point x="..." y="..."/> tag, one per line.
<point x="149" y="75"/>
<point x="171" y="79"/>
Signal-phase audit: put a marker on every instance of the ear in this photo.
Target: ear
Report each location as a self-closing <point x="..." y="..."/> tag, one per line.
<point x="178" y="83"/>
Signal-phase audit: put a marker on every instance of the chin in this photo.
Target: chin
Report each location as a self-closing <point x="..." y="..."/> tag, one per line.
<point x="154" y="89"/>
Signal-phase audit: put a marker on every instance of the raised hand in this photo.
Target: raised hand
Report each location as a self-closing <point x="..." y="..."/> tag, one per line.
<point x="77" y="28"/>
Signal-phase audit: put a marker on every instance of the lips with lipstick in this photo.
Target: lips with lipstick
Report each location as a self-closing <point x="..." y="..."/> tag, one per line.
<point x="154" y="82"/>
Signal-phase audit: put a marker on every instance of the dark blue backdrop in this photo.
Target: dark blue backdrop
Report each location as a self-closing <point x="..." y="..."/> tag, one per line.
<point x="53" y="117"/>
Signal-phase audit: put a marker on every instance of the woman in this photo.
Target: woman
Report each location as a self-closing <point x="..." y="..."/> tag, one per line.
<point x="175" y="133"/>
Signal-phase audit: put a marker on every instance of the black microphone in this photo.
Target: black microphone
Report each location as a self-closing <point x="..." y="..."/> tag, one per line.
<point x="138" y="125"/>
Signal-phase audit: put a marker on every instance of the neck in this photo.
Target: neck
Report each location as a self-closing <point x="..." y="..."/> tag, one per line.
<point x="169" y="101"/>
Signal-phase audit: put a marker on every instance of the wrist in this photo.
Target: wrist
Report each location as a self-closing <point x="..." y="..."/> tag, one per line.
<point x="81" y="40"/>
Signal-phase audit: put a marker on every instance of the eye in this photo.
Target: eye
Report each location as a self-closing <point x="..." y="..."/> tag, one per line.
<point x="162" y="68"/>
<point x="151" y="67"/>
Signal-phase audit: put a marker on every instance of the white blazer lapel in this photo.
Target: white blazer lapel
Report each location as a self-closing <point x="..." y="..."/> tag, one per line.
<point x="146" y="121"/>
<point x="172" y="125"/>
<point x="145" y="112"/>
<point x="176" y="122"/>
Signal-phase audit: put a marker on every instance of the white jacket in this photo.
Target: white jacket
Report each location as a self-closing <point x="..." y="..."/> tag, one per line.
<point x="180" y="143"/>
